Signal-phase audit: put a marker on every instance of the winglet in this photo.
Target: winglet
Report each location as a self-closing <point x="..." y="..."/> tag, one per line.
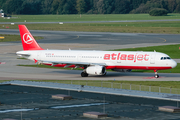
<point x="28" y="41"/>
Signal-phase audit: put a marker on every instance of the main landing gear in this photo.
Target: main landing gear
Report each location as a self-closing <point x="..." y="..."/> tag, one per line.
<point x="83" y="74"/>
<point x="156" y="74"/>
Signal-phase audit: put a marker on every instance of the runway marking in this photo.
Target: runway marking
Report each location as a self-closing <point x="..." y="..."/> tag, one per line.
<point x="76" y="37"/>
<point x="1" y="37"/>
<point x="151" y="77"/>
<point x="163" y="39"/>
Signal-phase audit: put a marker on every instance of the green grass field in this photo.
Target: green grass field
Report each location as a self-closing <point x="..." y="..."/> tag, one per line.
<point x="167" y="27"/>
<point x="8" y="38"/>
<point x="168" y="84"/>
<point x="86" y="17"/>
<point x="152" y="86"/>
<point x="172" y="27"/>
<point x="11" y="38"/>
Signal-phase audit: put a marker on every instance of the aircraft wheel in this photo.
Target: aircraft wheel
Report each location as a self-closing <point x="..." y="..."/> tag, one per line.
<point x="83" y="74"/>
<point x="156" y="76"/>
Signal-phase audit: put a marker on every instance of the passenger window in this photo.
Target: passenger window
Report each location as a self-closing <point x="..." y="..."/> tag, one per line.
<point x="161" y="58"/>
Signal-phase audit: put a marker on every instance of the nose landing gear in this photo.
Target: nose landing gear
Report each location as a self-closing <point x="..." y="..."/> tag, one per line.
<point x="156" y="74"/>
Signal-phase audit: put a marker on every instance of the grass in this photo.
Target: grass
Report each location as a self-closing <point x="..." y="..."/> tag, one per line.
<point x="153" y="86"/>
<point x="168" y="84"/>
<point x="1" y="81"/>
<point x="171" y="27"/>
<point x="166" y="27"/>
<point x="12" y="38"/>
<point x="9" y="38"/>
<point x="86" y="17"/>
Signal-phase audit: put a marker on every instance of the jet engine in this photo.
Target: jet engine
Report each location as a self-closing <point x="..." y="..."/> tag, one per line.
<point x="122" y="70"/>
<point x="96" y="70"/>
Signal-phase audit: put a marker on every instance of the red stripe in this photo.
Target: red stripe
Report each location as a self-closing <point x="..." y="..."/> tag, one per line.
<point x="120" y="67"/>
<point x="139" y="67"/>
<point x="60" y="65"/>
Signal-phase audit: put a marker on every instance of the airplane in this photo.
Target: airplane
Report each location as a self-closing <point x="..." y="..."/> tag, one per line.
<point x="93" y="62"/>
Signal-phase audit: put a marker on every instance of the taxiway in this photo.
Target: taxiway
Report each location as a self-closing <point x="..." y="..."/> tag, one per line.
<point x="80" y="40"/>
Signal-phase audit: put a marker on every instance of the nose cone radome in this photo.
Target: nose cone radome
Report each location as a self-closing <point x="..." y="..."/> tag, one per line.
<point x="173" y="64"/>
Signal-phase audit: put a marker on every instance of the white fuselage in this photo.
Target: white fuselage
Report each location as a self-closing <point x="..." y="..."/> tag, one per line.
<point x="93" y="62"/>
<point x="109" y="59"/>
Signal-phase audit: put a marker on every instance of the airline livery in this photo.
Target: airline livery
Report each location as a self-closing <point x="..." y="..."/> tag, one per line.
<point x="93" y="62"/>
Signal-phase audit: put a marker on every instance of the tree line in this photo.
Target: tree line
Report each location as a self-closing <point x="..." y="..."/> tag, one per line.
<point x="87" y="6"/>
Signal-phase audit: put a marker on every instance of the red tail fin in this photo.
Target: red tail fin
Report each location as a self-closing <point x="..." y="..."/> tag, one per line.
<point x="28" y="41"/>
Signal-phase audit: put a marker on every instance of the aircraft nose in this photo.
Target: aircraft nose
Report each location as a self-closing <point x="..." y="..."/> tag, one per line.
<point x="173" y="64"/>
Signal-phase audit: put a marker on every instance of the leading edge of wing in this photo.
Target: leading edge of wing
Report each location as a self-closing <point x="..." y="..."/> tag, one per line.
<point x="72" y="63"/>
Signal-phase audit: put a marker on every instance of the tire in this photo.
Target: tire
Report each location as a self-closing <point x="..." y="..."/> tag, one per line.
<point x="83" y="74"/>
<point x="156" y="76"/>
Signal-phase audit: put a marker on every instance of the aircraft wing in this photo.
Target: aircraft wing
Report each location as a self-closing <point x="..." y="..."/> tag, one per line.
<point x="72" y="63"/>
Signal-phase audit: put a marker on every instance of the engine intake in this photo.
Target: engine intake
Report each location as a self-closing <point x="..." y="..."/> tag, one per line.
<point x="96" y="70"/>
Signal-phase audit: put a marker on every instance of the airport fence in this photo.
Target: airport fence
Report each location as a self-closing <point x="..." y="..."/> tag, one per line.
<point x="126" y="86"/>
<point x="114" y="85"/>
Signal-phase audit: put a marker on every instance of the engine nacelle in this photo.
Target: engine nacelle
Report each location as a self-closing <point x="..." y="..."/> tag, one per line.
<point x="122" y="70"/>
<point x="96" y="70"/>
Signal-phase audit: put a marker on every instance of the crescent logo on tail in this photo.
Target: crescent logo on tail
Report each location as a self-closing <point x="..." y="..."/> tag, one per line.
<point x="28" y="41"/>
<point x="27" y="38"/>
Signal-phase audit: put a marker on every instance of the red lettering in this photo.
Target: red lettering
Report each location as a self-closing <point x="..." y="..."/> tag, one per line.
<point x="113" y="56"/>
<point x="135" y="57"/>
<point x="107" y="57"/>
<point x="123" y="57"/>
<point x="118" y="56"/>
<point x="130" y="57"/>
<point x="145" y="57"/>
<point x="140" y="57"/>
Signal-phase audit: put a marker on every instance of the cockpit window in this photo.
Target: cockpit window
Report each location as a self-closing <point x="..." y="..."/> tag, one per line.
<point x="164" y="58"/>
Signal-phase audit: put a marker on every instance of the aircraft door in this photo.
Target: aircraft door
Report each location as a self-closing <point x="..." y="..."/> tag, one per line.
<point x="79" y="57"/>
<point x="152" y="58"/>
<point x="118" y="61"/>
<point x="39" y="56"/>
